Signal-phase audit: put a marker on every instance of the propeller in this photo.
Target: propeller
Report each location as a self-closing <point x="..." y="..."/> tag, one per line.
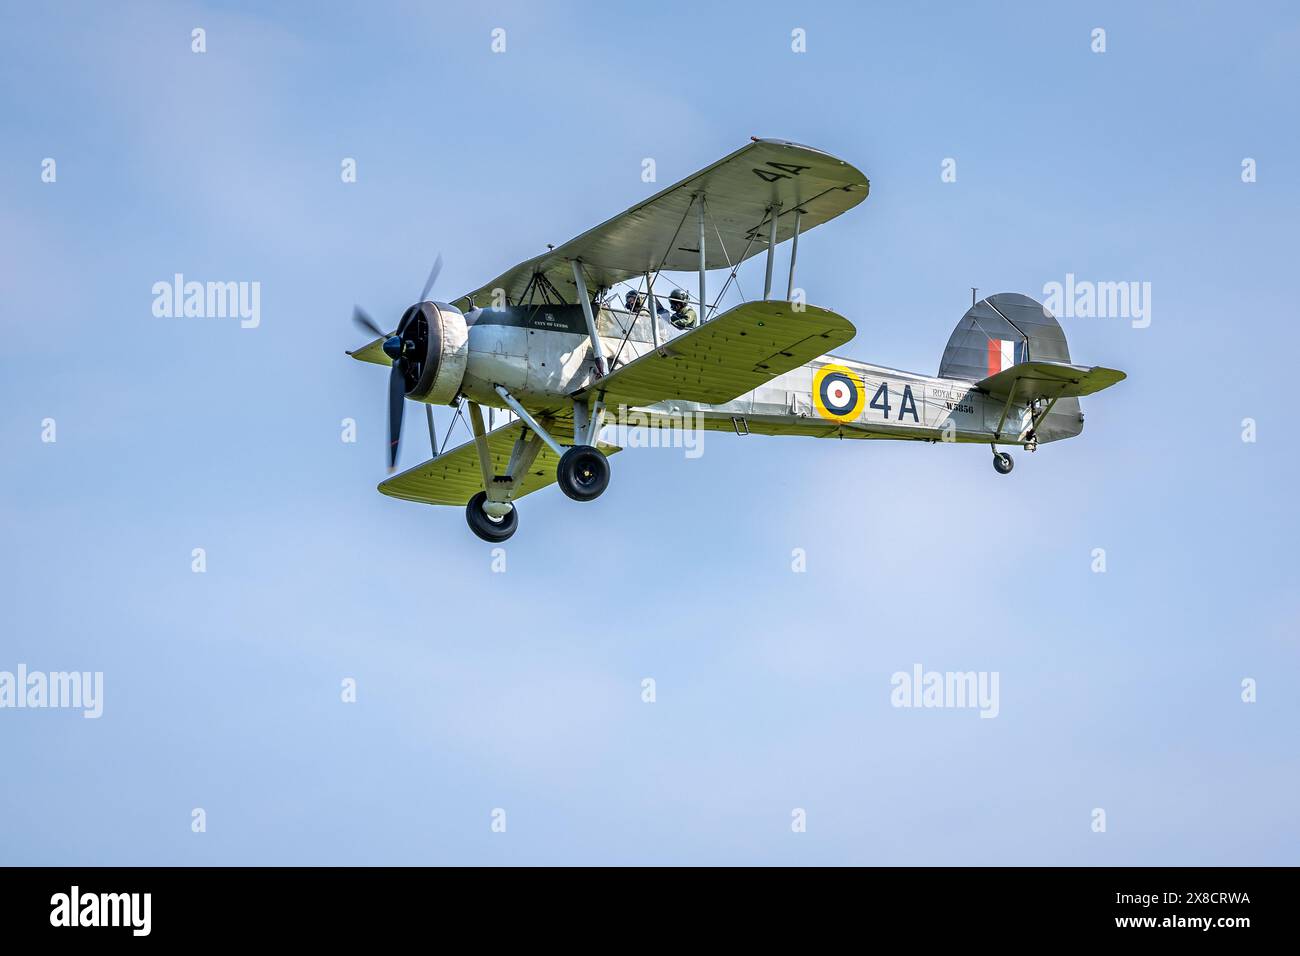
<point x="395" y="348"/>
<point x="396" y="403"/>
<point x="363" y="319"/>
<point x="433" y="277"/>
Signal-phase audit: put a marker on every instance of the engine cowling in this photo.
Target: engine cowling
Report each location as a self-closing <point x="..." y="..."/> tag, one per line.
<point x="435" y="344"/>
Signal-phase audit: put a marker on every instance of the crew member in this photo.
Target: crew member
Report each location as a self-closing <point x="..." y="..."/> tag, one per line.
<point x="683" y="316"/>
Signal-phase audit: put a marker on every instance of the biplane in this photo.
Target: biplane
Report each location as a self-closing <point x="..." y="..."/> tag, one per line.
<point x="548" y="342"/>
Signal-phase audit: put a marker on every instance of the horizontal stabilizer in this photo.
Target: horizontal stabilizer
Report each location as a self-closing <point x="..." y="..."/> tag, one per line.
<point x="1030" y="380"/>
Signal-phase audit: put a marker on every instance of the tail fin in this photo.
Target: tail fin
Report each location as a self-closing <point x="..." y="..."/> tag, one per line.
<point x="1000" y="331"/>
<point x="1009" y="329"/>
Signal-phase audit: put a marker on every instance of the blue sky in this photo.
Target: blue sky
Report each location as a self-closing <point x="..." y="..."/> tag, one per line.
<point x="522" y="691"/>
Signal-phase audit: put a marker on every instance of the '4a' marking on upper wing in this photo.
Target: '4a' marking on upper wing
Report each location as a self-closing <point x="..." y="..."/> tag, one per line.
<point x="786" y="168"/>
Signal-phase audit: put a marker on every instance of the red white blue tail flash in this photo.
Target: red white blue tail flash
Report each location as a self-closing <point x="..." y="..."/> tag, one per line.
<point x="1004" y="353"/>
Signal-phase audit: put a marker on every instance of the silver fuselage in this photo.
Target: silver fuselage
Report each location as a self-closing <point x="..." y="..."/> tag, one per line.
<point x="544" y="362"/>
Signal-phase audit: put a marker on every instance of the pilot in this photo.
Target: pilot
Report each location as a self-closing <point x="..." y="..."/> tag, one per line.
<point x="634" y="302"/>
<point x="683" y="316"/>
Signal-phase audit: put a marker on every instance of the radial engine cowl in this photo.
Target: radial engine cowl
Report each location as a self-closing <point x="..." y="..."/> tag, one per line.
<point x="435" y="343"/>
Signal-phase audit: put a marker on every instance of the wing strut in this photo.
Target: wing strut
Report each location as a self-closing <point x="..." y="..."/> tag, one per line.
<point x="433" y="435"/>
<point x="597" y="350"/>
<point x="794" y="254"/>
<point x="703" y="259"/>
<point x="774" y="211"/>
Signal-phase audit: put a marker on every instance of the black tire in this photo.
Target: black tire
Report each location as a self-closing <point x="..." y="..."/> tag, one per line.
<point x="583" y="473"/>
<point x="1003" y="463"/>
<point x="486" y="527"/>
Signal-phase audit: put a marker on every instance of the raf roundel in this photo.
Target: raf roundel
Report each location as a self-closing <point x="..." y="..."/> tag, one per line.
<point x="838" y="393"/>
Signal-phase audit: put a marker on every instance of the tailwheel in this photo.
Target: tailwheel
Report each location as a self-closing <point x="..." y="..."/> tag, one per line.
<point x="1002" y="463"/>
<point x="583" y="473"/>
<point x="487" y="527"/>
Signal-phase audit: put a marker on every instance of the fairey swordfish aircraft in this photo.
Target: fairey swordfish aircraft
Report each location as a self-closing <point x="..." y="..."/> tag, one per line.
<point x="542" y="341"/>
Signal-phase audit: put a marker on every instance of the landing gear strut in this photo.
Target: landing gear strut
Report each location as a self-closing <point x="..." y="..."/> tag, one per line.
<point x="583" y="472"/>
<point x="492" y="513"/>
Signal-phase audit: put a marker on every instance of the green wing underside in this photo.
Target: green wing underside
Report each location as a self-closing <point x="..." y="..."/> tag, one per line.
<point x="455" y="476"/>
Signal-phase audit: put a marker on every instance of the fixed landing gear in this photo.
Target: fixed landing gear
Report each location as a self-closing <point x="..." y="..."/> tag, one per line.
<point x="1002" y="463"/>
<point x="583" y="472"/>
<point x="485" y="525"/>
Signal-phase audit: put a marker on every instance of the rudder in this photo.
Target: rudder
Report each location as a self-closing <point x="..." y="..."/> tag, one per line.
<point x="1004" y="330"/>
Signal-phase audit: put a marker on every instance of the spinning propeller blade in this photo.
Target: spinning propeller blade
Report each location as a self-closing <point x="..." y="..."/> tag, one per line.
<point x="433" y="277"/>
<point x="396" y="404"/>
<point x="395" y="348"/>
<point x="360" y="317"/>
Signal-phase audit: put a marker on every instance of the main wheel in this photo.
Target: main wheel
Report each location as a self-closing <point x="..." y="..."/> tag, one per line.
<point x="1002" y="463"/>
<point x="583" y="473"/>
<point x="487" y="527"/>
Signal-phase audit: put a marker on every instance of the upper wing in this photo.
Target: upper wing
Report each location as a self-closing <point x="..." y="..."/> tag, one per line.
<point x="655" y="234"/>
<point x="455" y="476"/>
<point x="726" y="356"/>
<point x="1030" y="380"/>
